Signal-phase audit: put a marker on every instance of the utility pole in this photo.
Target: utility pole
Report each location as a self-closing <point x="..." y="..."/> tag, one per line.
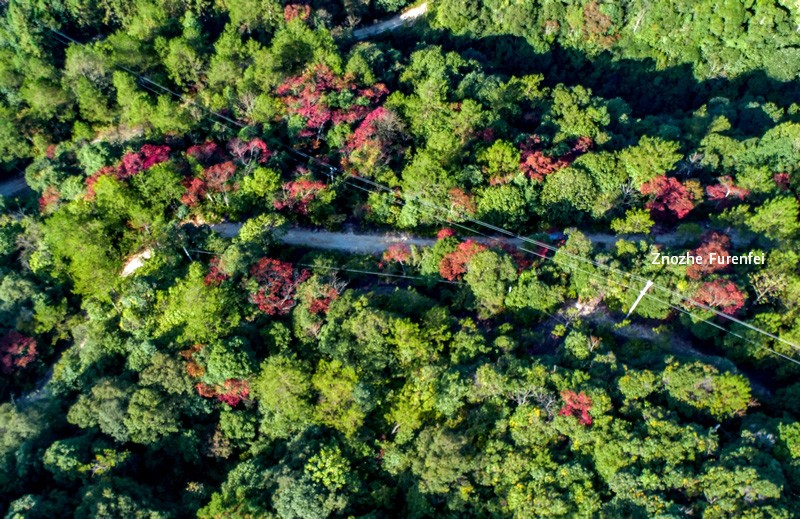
<point x="641" y="295"/>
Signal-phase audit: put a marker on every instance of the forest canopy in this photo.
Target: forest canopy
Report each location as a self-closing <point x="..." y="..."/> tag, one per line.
<point x="167" y="351"/>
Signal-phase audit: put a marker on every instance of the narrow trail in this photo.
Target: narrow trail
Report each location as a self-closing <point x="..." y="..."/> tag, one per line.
<point x="13" y="186"/>
<point x="40" y="392"/>
<point x="596" y="313"/>
<point x="392" y="23"/>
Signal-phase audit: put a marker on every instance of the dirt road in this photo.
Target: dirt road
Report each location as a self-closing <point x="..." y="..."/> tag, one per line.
<point x="376" y="243"/>
<point x="392" y="23"/>
<point x="359" y="243"/>
<point x="339" y="241"/>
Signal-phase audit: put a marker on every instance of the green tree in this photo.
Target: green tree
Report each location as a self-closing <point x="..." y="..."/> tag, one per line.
<point x="150" y="416"/>
<point x="104" y="407"/>
<point x="776" y="219"/>
<point x="196" y="312"/>
<point x="651" y="157"/>
<point x="343" y="401"/>
<point x="21" y="428"/>
<point x="182" y="56"/>
<point x="64" y="458"/>
<point x="701" y="387"/>
<point x="118" y="497"/>
<point x="426" y="185"/>
<point x="530" y="292"/>
<point x="254" y="15"/>
<point x="489" y="276"/>
<point x="636" y="221"/>
<point x="440" y="460"/>
<point x="228" y="359"/>
<point x="503" y="205"/>
<point x="282" y="389"/>
<point x="501" y="159"/>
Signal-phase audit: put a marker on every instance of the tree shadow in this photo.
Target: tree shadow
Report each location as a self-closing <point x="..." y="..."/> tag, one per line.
<point x="648" y="90"/>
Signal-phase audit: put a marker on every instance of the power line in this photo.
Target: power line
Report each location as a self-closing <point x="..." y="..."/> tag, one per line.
<point x="603" y="266"/>
<point x="715" y="325"/>
<point x="404" y="276"/>
<point x="561" y="251"/>
<point x="643" y="294"/>
<point x="487" y="225"/>
<point x="580" y="258"/>
<point x="358" y="271"/>
<point x="596" y="276"/>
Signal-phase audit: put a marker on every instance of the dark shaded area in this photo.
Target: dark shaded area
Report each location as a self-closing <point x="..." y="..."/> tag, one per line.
<point x="646" y="89"/>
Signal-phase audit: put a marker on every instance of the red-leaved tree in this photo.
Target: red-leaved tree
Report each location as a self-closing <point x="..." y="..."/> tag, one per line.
<point x="305" y="96"/>
<point x="131" y="164"/>
<point x="721" y="294"/>
<point x="233" y="391"/>
<point x="206" y="390"/>
<point x="536" y="165"/>
<point x="371" y="142"/>
<point x="292" y="11"/>
<point x="454" y="265"/>
<point x="276" y="285"/>
<point x="317" y="96"/>
<point x="218" y="177"/>
<point x="193" y="368"/>
<point x="398" y="253"/>
<point x="298" y="194"/>
<point x="726" y="192"/>
<point x="16" y="352"/>
<point x="205" y="152"/>
<point x="577" y="405"/>
<point x="92" y="179"/>
<point x="247" y="152"/>
<point x="671" y="200"/>
<point x="781" y="180"/>
<point x="445" y="232"/>
<point x="522" y="260"/>
<point x="196" y="190"/>
<point x="320" y="303"/>
<point x="461" y="202"/>
<point x="49" y="199"/>
<point x="317" y="294"/>
<point x="486" y="135"/>
<point x="214" y="179"/>
<point x="136" y="162"/>
<point x="215" y="276"/>
<point x="152" y="155"/>
<point x="713" y="243"/>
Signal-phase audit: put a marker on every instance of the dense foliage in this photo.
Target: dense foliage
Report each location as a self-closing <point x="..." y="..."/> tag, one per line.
<point x="154" y="363"/>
